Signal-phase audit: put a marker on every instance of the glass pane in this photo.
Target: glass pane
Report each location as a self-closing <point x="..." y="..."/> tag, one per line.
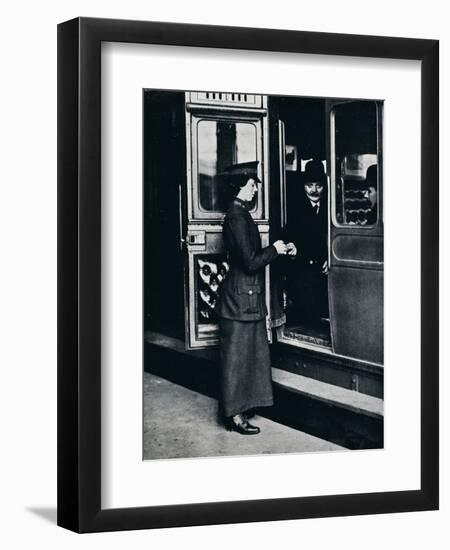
<point x="221" y="144"/>
<point x="356" y="163"/>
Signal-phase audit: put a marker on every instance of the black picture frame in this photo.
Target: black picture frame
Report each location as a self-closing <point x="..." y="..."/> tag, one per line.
<point x="79" y="274"/>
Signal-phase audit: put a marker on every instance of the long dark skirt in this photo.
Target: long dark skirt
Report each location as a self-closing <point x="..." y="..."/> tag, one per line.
<point x="246" y="379"/>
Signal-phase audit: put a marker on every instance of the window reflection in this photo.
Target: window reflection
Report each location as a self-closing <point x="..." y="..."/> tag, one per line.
<point x="356" y="164"/>
<point x="220" y="145"/>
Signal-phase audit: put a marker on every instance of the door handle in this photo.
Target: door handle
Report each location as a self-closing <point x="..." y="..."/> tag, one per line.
<point x="195" y="240"/>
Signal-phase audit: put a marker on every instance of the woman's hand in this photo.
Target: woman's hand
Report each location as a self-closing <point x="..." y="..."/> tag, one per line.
<point x="291" y="249"/>
<point x="280" y="247"/>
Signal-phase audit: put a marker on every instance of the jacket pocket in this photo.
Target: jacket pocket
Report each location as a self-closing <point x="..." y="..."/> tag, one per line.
<point x="250" y="297"/>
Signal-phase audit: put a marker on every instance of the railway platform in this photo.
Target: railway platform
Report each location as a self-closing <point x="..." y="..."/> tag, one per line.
<point x="330" y="414"/>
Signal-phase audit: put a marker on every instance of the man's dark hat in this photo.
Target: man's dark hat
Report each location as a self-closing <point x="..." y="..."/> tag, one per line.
<point x="314" y="171"/>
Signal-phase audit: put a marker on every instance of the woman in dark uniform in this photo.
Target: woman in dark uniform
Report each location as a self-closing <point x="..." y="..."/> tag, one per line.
<point x="246" y="381"/>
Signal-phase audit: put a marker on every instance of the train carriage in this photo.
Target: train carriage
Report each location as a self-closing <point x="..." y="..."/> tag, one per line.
<point x="190" y="141"/>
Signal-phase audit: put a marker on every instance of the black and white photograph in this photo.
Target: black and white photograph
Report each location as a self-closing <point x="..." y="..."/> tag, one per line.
<point x="263" y="274"/>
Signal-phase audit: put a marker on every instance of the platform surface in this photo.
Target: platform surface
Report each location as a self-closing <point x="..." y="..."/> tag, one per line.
<point x="181" y="423"/>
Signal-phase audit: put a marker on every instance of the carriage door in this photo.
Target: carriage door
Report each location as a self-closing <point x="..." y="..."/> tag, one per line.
<point x="222" y="130"/>
<point x="356" y="234"/>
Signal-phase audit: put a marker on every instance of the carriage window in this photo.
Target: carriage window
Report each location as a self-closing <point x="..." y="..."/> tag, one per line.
<point x="356" y="163"/>
<point x="221" y="144"/>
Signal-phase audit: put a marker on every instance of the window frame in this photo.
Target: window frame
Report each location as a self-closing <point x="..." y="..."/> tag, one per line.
<point x="333" y="182"/>
<point x="195" y="212"/>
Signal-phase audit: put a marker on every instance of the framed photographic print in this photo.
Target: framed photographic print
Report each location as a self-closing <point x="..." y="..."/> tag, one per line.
<point x="248" y="268"/>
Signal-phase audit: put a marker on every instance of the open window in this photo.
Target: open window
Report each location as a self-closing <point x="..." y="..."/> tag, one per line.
<point x="355" y="164"/>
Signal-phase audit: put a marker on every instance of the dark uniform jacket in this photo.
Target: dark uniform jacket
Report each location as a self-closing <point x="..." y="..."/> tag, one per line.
<point x="306" y="284"/>
<point x="309" y="232"/>
<point x="242" y="296"/>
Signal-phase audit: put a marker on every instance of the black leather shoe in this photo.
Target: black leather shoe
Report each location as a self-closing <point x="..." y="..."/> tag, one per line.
<point x="241" y="425"/>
